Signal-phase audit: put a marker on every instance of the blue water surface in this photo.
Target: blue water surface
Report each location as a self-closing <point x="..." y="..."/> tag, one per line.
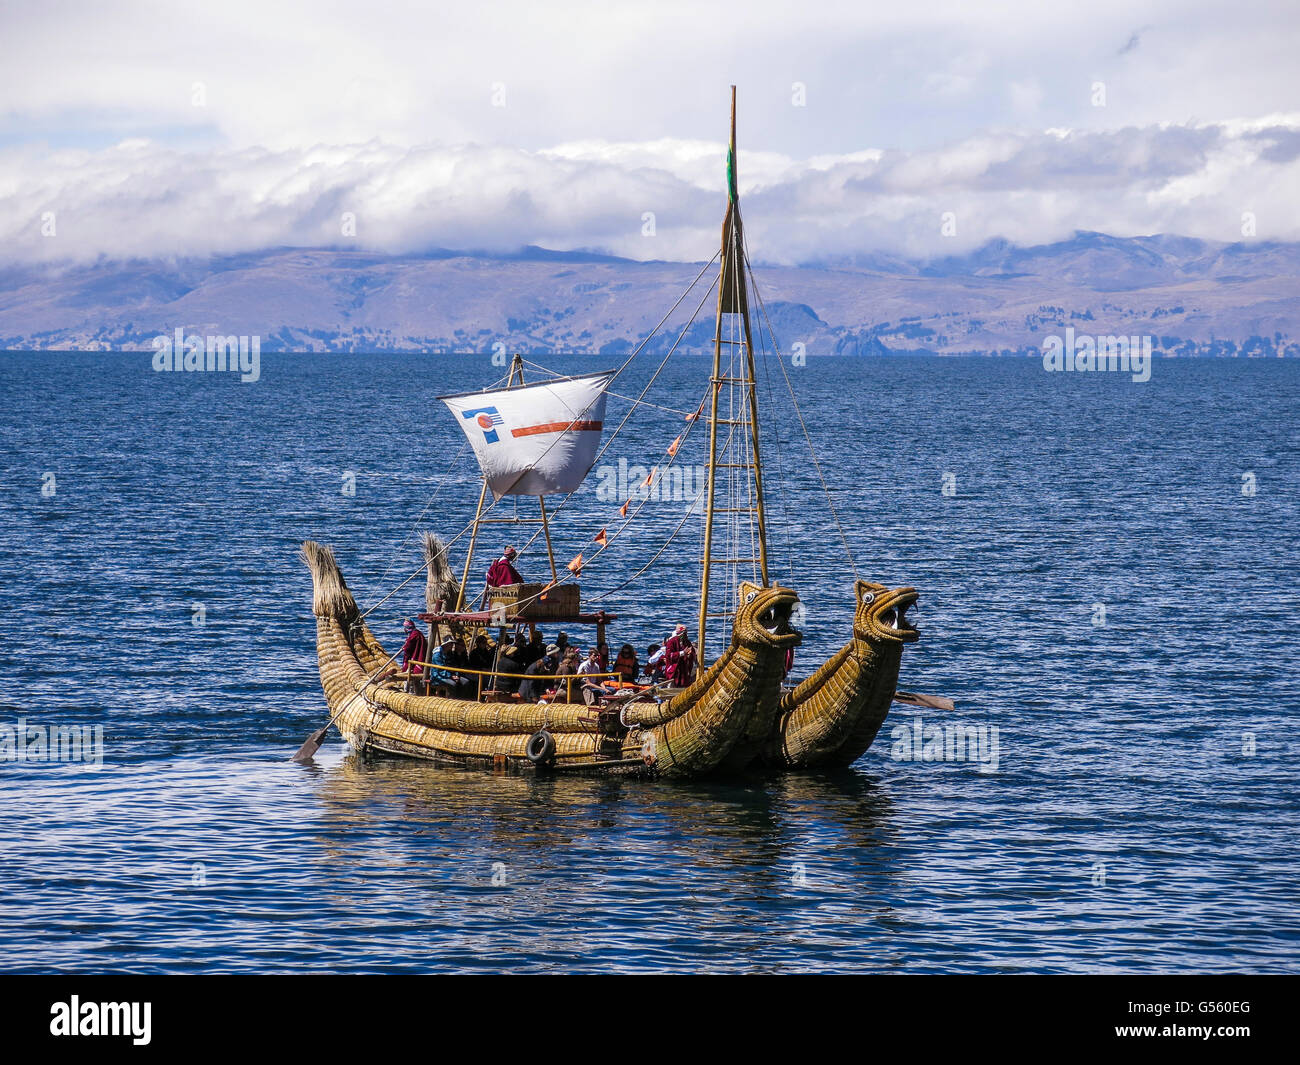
<point x="1109" y="581"/>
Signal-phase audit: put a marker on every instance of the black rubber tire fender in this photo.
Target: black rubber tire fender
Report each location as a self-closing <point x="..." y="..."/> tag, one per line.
<point x="541" y="749"/>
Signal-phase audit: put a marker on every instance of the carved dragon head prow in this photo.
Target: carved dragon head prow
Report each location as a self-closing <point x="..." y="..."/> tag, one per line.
<point x="763" y="618"/>
<point x="881" y="614"/>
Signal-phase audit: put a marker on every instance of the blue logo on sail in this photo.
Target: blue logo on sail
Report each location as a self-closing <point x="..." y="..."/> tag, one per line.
<point x="488" y="418"/>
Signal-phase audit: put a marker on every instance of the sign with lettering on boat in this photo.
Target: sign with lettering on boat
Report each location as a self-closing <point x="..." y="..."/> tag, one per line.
<point x="534" y="440"/>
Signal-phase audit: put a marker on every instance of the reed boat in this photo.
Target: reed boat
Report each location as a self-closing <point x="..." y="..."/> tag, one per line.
<point x="689" y="734"/>
<point x="537" y="439"/>
<point x="830" y="719"/>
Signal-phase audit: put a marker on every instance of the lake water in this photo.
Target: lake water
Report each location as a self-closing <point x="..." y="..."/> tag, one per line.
<point x="1109" y="581"/>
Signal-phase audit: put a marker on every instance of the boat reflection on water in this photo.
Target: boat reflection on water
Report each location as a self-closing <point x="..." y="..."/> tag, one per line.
<point x="609" y="860"/>
<point x="777" y="812"/>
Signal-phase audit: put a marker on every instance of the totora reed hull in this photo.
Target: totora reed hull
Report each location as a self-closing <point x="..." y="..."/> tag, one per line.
<point x="830" y="719"/>
<point x="708" y="728"/>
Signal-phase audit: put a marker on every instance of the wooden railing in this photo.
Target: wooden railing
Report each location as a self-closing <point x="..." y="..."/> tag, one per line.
<point x="481" y="673"/>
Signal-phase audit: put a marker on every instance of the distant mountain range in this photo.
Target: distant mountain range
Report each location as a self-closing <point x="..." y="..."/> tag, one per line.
<point x="1192" y="296"/>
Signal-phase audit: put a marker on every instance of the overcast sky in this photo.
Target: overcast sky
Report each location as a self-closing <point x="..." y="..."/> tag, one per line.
<point x="163" y="128"/>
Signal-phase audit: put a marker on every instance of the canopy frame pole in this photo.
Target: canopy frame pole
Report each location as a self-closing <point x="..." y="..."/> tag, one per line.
<point x="518" y="365"/>
<point x="469" y="556"/>
<point x="546" y="529"/>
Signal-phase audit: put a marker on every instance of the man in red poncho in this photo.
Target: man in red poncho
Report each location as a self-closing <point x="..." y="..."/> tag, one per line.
<point x="503" y="572"/>
<point x="679" y="658"/>
<point x="413" y="653"/>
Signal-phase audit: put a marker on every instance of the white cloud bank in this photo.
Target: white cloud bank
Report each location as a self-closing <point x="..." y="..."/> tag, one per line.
<point x="142" y="199"/>
<point x="150" y="128"/>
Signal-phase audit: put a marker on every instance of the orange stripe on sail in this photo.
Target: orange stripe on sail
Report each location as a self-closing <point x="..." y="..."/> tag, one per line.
<point x="556" y="427"/>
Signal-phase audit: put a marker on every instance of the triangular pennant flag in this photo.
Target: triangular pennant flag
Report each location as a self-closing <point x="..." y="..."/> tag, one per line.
<point x="672" y="448"/>
<point x="650" y="477"/>
<point x="601" y="538"/>
<point x="622" y="511"/>
<point x="692" y="417"/>
<point x="575" y="567"/>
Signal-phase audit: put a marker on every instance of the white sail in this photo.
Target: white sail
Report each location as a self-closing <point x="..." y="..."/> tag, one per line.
<point x="534" y="440"/>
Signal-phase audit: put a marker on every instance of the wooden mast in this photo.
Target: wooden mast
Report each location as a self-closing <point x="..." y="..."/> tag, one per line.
<point x="732" y="299"/>
<point x="715" y="386"/>
<point x="516" y="368"/>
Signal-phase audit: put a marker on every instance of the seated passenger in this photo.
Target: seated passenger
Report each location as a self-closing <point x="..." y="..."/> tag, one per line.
<point x="509" y="670"/>
<point x="654" y="665"/>
<point x="458" y="686"/>
<point x="482" y="656"/>
<point x="538" y="677"/>
<point x="593" y="688"/>
<point x="626" y="664"/>
<point x="569" y="667"/>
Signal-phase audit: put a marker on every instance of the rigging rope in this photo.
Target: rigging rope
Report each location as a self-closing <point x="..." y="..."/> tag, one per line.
<point x="740" y="261"/>
<point x="636" y="351"/>
<point x="780" y="454"/>
<point x="626" y="522"/>
<point x="804" y="426"/>
<point x="605" y="447"/>
<point x="600" y="596"/>
<point x="650" y="335"/>
<point x="393" y="560"/>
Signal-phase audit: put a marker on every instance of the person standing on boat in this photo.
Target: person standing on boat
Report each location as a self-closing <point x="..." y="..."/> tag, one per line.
<point x="679" y="658"/>
<point x="413" y="653"/>
<point x="502" y="572"/>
